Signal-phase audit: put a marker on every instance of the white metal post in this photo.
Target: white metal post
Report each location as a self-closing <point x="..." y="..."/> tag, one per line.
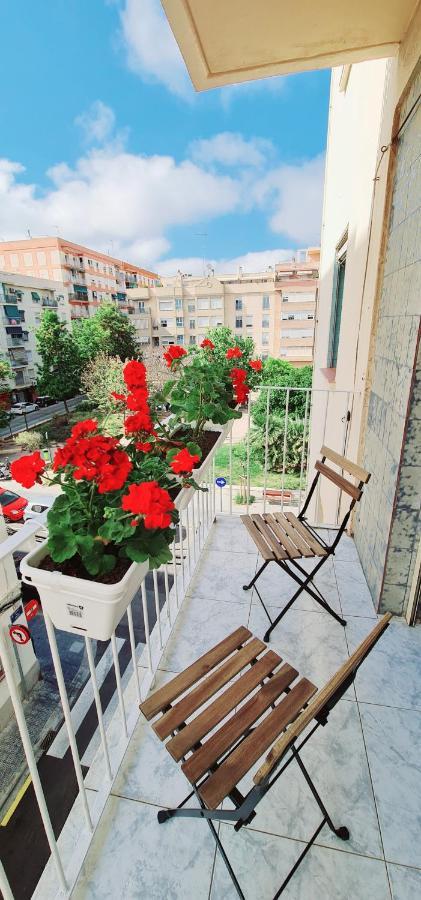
<point x="146" y="623"/>
<point x="157" y="609"/>
<point x="266" y="449"/>
<point x="118" y="682"/>
<point x="133" y="649"/>
<point x="285" y="449"/>
<point x="98" y="706"/>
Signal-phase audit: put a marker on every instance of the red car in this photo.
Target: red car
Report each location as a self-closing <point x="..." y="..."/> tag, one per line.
<point x="13" y="506"/>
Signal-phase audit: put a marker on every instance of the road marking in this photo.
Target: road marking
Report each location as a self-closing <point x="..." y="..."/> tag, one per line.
<point x="61" y="741"/>
<point x="16" y="802"/>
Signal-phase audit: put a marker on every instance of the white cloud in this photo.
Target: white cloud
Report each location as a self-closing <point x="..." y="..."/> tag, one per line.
<point x="231" y="149"/>
<point x="293" y="195"/>
<point x="250" y="262"/>
<point x="152" y="50"/>
<point x="97" y="123"/>
<point x="115" y="196"/>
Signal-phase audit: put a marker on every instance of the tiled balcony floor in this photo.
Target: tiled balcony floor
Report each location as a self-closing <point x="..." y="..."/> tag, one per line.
<point x="366" y="762"/>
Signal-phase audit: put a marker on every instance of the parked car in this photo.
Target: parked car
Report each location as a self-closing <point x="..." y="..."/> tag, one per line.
<point x="45" y="401"/>
<point x="19" y="409"/>
<point x="13" y="506"/>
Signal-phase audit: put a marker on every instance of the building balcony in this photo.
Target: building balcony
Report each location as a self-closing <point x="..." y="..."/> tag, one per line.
<point x="179" y="858"/>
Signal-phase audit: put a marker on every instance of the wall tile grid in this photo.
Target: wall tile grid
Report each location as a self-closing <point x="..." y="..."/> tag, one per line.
<point x="387" y="531"/>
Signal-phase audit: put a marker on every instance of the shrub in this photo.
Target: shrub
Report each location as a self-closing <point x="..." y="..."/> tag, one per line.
<point x="29" y="440"/>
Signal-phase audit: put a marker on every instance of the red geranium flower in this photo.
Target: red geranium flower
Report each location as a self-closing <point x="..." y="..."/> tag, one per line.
<point x="233" y="353"/>
<point x="139" y="421"/>
<point x="88" y="426"/>
<point x="143" y="446"/>
<point x="120" y="398"/>
<point x="174" y="352"/>
<point x="28" y="469"/>
<point x="238" y="375"/>
<point x="256" y="364"/>
<point x="183" y="462"/>
<point x="137" y="400"/>
<point x="134" y="374"/>
<point x="113" y="473"/>
<point x="241" y="392"/>
<point x="207" y="343"/>
<point x="149" y="500"/>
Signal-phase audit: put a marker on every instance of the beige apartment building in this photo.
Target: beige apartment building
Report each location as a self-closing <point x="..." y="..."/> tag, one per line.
<point x="276" y="308"/>
<point x="90" y="277"/>
<point x="23" y="299"/>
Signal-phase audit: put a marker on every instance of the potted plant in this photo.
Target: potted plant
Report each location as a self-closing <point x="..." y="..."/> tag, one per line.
<point x="204" y="395"/>
<point x="114" y="518"/>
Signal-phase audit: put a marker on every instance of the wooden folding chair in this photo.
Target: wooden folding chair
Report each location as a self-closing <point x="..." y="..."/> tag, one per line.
<point x="284" y="538"/>
<point x="267" y="700"/>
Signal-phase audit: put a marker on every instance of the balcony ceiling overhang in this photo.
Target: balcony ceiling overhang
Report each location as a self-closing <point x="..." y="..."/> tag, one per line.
<point x="228" y="41"/>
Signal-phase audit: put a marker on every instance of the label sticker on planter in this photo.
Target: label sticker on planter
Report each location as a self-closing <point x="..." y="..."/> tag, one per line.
<point x="20" y="634"/>
<point x="74" y="610"/>
<point x="15" y="615"/>
<point x="221" y="482"/>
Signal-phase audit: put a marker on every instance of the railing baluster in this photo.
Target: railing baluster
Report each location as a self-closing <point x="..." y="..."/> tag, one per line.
<point x="4" y="884"/>
<point x="266" y="449"/>
<point x="157" y="608"/>
<point x="174" y="565"/>
<point x="181" y="542"/>
<point x="230" y="471"/>
<point x="118" y="682"/>
<point x="133" y="649"/>
<point x="285" y="449"/>
<point x="98" y="705"/>
<point x="188" y="538"/>
<point x="29" y="753"/>
<point x="67" y="717"/>
<point x="146" y="623"/>
<point x="248" y="456"/>
<point x="304" y="446"/>
<point x="167" y="593"/>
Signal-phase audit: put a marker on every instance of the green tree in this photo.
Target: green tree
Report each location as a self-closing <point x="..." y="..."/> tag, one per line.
<point x="276" y="433"/>
<point x="102" y="375"/>
<point x="281" y="374"/>
<point x="108" y="331"/>
<point x="61" y="364"/>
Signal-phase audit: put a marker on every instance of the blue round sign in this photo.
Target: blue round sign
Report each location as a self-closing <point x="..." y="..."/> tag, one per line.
<point x="221" y="482"/>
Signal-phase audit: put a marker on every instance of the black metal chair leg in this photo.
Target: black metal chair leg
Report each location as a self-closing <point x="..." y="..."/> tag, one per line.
<point x="246" y="587"/>
<point x="341" y="832"/>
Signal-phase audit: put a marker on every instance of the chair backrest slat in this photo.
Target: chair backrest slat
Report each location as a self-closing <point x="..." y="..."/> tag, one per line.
<point x="321" y="699"/>
<point x="356" y="471"/>
<point x="341" y="482"/>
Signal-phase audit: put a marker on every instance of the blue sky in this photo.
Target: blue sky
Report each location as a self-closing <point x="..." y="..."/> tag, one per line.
<point x="105" y="142"/>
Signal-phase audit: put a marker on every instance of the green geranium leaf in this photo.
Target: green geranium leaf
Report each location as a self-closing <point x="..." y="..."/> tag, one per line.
<point x="136" y="553"/>
<point x="194" y="449"/>
<point x="62" y="545"/>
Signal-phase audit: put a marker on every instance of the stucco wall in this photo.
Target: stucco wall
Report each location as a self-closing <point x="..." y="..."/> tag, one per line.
<point x="386" y="528"/>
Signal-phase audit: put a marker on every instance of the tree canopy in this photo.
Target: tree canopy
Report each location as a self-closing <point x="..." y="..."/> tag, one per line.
<point x="59" y="372"/>
<point x="108" y="331"/>
<point x="101" y="376"/>
<point x="280" y="373"/>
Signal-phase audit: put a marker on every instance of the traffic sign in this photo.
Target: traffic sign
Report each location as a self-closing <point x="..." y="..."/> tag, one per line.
<point x="31" y="609"/>
<point x="221" y="482"/>
<point x="19" y="634"/>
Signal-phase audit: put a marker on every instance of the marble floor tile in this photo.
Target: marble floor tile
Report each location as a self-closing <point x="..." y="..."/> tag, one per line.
<point x="315" y="644"/>
<point x="343" y="781"/>
<point x="133" y="857"/>
<point x="220" y="576"/>
<point x="200" y="625"/>
<point x="262" y="861"/>
<point x="393" y="740"/>
<point x="391" y="674"/>
<point x="277" y="587"/>
<point x="229" y="534"/>
<point x="405" y="883"/>
<point x="346" y="549"/>
<point x="353" y="590"/>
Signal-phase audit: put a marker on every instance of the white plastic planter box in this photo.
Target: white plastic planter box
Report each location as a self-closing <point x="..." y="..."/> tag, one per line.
<point x="185" y="495"/>
<point x="78" y="605"/>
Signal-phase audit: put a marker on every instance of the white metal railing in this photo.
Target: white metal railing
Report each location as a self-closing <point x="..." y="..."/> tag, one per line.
<point x="325" y="417"/>
<point x="197" y="511"/>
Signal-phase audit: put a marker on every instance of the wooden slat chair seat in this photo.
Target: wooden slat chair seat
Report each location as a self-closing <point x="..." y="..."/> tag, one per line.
<point x="284" y="538"/>
<point x="235" y="704"/>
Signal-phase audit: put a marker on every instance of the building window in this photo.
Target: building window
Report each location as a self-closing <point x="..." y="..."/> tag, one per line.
<point x="203" y="321"/>
<point x="180" y="338"/>
<point x="265" y="301"/>
<point x="192" y="323"/>
<point x="238" y="303"/>
<point x="216" y="320"/>
<point x="265" y="322"/>
<point x="192" y="307"/>
<point x="166" y="304"/>
<point x="192" y="339"/>
<point x="337" y="300"/>
<point x="265" y="339"/>
<point x="216" y="303"/>
<point x="249" y="321"/>
<point x="238" y="321"/>
<point x="179" y="321"/>
<point x="203" y="304"/>
<point x="141" y="306"/>
<point x="178" y="303"/>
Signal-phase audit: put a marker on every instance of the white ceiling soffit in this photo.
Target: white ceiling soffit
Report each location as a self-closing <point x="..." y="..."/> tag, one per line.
<point x="228" y="41"/>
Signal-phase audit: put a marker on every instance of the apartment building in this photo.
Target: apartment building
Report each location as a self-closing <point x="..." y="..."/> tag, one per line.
<point x="90" y="277"/>
<point x="22" y="302"/>
<point x="276" y="308"/>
